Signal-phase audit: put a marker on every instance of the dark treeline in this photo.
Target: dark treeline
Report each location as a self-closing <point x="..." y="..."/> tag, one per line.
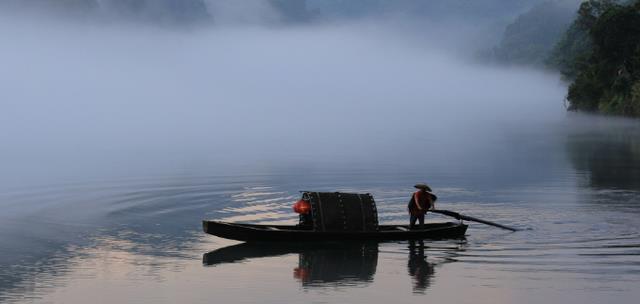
<point x="572" y="49"/>
<point x="600" y="54"/>
<point x="596" y="48"/>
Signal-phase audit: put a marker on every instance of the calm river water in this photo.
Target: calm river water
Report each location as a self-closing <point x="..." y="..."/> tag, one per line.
<point x="571" y="185"/>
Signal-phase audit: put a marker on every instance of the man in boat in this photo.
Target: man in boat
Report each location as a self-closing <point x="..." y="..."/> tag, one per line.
<point x="421" y="201"/>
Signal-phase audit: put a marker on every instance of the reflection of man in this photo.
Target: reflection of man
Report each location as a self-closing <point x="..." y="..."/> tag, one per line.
<point x="419" y="269"/>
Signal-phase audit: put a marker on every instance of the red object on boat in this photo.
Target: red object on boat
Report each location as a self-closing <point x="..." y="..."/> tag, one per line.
<point x="302" y="207"/>
<point x="301" y="274"/>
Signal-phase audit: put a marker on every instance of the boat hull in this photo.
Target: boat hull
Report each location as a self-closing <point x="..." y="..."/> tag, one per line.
<point x="255" y="233"/>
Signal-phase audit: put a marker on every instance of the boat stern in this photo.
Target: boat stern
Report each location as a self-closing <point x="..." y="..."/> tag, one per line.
<point x="205" y="226"/>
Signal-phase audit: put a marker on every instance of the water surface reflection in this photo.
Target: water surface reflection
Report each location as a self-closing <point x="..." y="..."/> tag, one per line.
<point x="332" y="264"/>
<point x="606" y="153"/>
<point x="420" y="270"/>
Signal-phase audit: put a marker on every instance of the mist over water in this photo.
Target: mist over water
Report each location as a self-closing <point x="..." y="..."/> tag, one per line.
<point x="118" y="138"/>
<point x="99" y="100"/>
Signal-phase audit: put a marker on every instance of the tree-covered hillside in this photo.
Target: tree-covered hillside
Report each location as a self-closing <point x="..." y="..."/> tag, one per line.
<point x="533" y="34"/>
<point x="573" y="50"/>
<point x="597" y="49"/>
<point x="601" y="55"/>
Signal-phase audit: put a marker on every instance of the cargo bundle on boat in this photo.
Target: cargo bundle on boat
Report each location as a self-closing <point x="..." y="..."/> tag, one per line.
<point x="326" y="216"/>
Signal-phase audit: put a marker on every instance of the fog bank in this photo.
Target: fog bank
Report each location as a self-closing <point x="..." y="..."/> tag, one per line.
<point x="96" y="101"/>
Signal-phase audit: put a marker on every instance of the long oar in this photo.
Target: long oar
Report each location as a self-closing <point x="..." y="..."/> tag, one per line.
<point x="473" y="219"/>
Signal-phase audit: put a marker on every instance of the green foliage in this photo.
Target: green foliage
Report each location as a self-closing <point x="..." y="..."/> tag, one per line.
<point x="605" y="63"/>
<point x="635" y="99"/>
<point x="572" y="53"/>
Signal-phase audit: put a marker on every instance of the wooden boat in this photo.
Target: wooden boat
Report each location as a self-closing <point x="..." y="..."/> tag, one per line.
<point x="295" y="233"/>
<point x="334" y="216"/>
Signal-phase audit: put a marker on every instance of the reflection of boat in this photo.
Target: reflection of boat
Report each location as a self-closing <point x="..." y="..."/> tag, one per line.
<point x="323" y="264"/>
<point x="344" y="263"/>
<point x="319" y="264"/>
<point x="334" y="216"/>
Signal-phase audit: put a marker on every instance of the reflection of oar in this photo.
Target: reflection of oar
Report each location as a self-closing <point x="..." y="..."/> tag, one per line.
<point x="473" y="219"/>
